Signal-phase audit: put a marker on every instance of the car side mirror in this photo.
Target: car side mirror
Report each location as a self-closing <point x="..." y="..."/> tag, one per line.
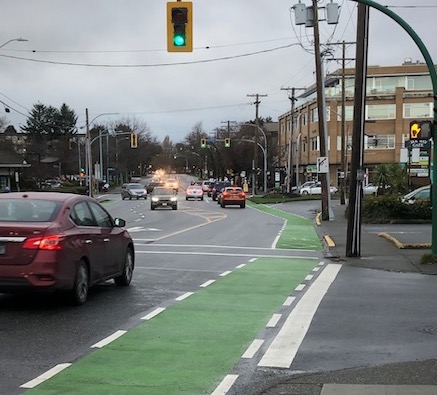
<point x="119" y="223"/>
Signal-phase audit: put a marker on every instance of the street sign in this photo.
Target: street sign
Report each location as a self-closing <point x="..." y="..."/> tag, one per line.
<point x="322" y="164"/>
<point x="420" y="143"/>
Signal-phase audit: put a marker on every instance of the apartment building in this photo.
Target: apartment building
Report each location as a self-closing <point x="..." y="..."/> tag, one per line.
<point x="396" y="95"/>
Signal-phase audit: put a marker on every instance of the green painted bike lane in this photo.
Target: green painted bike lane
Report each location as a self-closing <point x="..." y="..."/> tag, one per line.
<point x="190" y="346"/>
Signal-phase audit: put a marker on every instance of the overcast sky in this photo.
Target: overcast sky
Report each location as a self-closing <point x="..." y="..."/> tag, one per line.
<point x="110" y="56"/>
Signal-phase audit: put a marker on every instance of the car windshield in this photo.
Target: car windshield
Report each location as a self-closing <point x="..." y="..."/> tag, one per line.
<point x="135" y="186"/>
<point x="163" y="191"/>
<point x="19" y="210"/>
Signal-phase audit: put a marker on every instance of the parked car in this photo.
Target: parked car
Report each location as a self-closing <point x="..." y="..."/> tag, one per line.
<point x="51" y="184"/>
<point x="370" y="189"/>
<point x="210" y="188"/>
<point x="52" y="241"/>
<point x="194" y="192"/>
<point x="163" y="197"/>
<point x="296" y="189"/>
<point x="233" y="196"/>
<point x="218" y="186"/>
<point x="133" y="190"/>
<point x="419" y="194"/>
<point x="316" y="189"/>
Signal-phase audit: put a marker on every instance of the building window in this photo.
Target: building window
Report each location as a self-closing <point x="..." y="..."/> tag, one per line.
<point x="304" y="118"/>
<point x="349" y="111"/>
<point x="383" y="141"/>
<point x="380" y="111"/>
<point x="348" y="143"/>
<point x="314" y="143"/>
<point x="417" y="110"/>
<point x="314" y="115"/>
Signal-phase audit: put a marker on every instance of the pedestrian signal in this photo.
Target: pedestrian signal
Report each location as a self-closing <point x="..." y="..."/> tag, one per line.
<point x="202" y="143"/>
<point x="227" y="142"/>
<point x="422" y="130"/>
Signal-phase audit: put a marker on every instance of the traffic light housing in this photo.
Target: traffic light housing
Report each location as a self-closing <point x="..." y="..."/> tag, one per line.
<point x="227" y="142"/>
<point x="179" y="26"/>
<point x="421" y="130"/>
<point x="202" y="143"/>
<point x="133" y="140"/>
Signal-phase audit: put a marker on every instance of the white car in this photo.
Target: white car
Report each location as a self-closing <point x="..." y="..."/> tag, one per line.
<point x="419" y="194"/>
<point x="304" y="185"/>
<point x="315" y="189"/>
<point x="370" y="189"/>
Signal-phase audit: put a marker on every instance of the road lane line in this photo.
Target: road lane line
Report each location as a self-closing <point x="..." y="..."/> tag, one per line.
<point x="207" y="283"/>
<point x="225" y="385"/>
<point x="309" y="277"/>
<point x="253" y="348"/>
<point x="45" y="376"/>
<point x="154" y="313"/>
<point x="240" y="266"/>
<point x="184" y="296"/>
<point x="289" y="301"/>
<point x="108" y="339"/>
<point x="285" y="346"/>
<point x="274" y="320"/>
<point x="225" y="273"/>
<point x="300" y="287"/>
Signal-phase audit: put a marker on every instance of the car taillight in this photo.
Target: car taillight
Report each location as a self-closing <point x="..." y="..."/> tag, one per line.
<point x="51" y="243"/>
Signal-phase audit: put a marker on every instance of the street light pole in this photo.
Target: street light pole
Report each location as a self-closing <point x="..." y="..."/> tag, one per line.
<point x="14" y="39"/>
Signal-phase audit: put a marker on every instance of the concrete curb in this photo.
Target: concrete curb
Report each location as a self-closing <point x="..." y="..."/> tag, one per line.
<point x="398" y="244"/>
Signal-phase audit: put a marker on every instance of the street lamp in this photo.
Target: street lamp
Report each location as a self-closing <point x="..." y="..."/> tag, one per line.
<point x="14" y="39"/>
<point x="88" y="148"/>
<point x="265" y="168"/>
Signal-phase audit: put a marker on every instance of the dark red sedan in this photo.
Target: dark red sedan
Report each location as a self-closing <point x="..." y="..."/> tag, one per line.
<point x="60" y="241"/>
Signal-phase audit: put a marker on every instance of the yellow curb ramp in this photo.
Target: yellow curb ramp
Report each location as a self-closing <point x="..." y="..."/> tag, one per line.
<point x="329" y="241"/>
<point x="398" y="244"/>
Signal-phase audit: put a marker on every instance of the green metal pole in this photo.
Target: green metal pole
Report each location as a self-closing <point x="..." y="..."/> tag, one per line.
<point x="433" y="74"/>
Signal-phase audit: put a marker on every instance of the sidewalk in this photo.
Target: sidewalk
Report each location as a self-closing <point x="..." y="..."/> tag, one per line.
<point x="391" y="250"/>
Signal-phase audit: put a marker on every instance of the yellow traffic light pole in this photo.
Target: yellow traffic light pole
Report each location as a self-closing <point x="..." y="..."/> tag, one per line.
<point x="433" y="74"/>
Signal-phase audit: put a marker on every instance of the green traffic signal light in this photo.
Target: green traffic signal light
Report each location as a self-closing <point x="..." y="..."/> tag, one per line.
<point x="179" y="26"/>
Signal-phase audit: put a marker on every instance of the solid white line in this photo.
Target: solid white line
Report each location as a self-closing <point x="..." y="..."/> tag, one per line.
<point x="289" y="301"/>
<point x="184" y="296"/>
<point x="154" y="313"/>
<point x="253" y="348"/>
<point x="285" y="346"/>
<point x="225" y="273"/>
<point x="109" y="339"/>
<point x="45" y="376"/>
<point x="207" y="283"/>
<point x="300" y="287"/>
<point x="225" y="385"/>
<point x="222" y="254"/>
<point x="274" y="320"/>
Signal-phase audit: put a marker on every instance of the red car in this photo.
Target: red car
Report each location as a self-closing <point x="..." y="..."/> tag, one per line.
<point x="232" y="196"/>
<point x="59" y="241"/>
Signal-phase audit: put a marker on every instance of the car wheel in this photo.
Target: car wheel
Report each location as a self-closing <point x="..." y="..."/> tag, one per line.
<point x="201" y="198"/>
<point x="175" y="207"/>
<point x="122" y="198"/>
<point x="243" y="205"/>
<point x="128" y="269"/>
<point x="222" y="205"/>
<point x="80" y="289"/>
<point x="186" y="198"/>
<point x="304" y="192"/>
<point x="138" y="198"/>
<point x="130" y="197"/>
<point x="152" y="207"/>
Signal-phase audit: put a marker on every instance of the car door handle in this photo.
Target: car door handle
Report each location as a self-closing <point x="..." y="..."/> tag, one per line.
<point x="106" y="240"/>
<point x="88" y="241"/>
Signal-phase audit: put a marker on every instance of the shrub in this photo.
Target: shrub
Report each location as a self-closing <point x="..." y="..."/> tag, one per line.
<point x="388" y="208"/>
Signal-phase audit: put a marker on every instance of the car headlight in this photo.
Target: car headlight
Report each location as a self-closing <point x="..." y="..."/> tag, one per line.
<point x="174" y="199"/>
<point x="155" y="199"/>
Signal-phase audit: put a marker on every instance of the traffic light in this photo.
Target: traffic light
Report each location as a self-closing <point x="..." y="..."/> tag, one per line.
<point x="227" y="142"/>
<point x="414" y="130"/>
<point x="202" y="143"/>
<point x="179" y="26"/>
<point x="422" y="130"/>
<point x="82" y="172"/>
<point x="133" y="140"/>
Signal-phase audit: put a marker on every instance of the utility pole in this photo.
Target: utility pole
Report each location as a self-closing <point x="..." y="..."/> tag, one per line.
<point x="255" y="154"/>
<point x="89" y="158"/>
<point x="229" y="126"/>
<point x="343" y="121"/>
<point x="320" y="82"/>
<point x="293" y="99"/>
<point x="353" y="240"/>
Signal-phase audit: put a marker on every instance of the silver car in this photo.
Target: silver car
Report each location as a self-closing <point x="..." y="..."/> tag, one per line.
<point x="133" y="190"/>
